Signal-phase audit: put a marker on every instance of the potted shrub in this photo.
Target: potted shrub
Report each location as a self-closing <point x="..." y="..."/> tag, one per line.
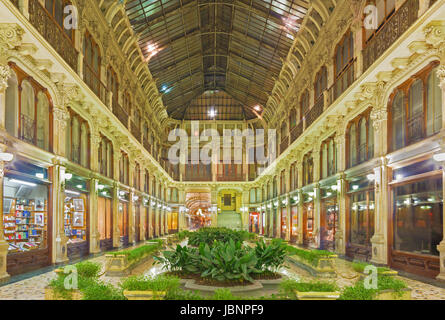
<point x="87" y="273"/>
<point x="310" y="290"/>
<point x="388" y="288"/>
<point x="145" y="288"/>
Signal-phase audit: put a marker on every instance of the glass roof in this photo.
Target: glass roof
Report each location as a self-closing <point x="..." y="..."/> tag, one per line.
<point x="196" y="46"/>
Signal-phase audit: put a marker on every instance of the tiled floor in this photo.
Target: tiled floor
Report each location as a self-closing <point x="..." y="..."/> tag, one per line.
<point x="33" y="288"/>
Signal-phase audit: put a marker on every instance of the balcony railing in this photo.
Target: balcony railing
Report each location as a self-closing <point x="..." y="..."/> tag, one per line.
<point x="27" y="130"/>
<point x="315" y="112"/>
<point x="231" y="177"/>
<point x="147" y="146"/>
<point x="343" y="81"/>
<point x="92" y="79"/>
<point x="135" y="131"/>
<point x="120" y="113"/>
<point x="296" y="132"/>
<point x="53" y="33"/>
<point x="396" y="25"/>
<point x="284" y="144"/>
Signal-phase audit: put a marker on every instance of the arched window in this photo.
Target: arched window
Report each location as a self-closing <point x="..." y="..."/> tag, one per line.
<point x="106" y="157"/>
<point x="304" y="104"/>
<point x="43" y="121"/>
<point x="12" y="105"/>
<point x="78" y="140"/>
<point x="328" y="158"/>
<point x="92" y="64"/>
<point x="113" y="84"/>
<point x="344" y="64"/>
<point x="415" y="109"/>
<point x="321" y="83"/>
<point x="28" y="113"/>
<point x="308" y="169"/>
<point x="360" y="144"/>
<point x="56" y="10"/>
<point x="292" y="119"/>
<point x="137" y="177"/>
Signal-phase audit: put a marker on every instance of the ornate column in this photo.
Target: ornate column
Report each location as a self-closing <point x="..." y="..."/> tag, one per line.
<point x="131" y="206"/>
<point x="340" y="234"/>
<point x="5" y="73"/>
<point x="116" y="231"/>
<point x="300" y="204"/>
<point x="288" y="215"/>
<point x="94" y="218"/>
<point x="3" y="244"/>
<point x="317" y="196"/>
<point x="379" y="240"/>
<point x="58" y="191"/>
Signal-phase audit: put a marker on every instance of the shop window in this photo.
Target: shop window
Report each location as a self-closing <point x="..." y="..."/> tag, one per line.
<point x="25" y="213"/>
<point x="360" y="141"/>
<point x="105" y="216"/>
<point x="123" y="219"/>
<point x="418" y="216"/>
<point x="415" y="109"/>
<point x="361" y="213"/>
<point x="75" y="216"/>
<point x="308" y="169"/>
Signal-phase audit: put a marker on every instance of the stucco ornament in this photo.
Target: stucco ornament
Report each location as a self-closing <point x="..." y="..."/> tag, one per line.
<point x="5" y="73"/>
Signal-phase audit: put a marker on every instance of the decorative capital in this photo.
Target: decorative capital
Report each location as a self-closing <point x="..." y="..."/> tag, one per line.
<point x="5" y="73"/>
<point x="10" y="38"/>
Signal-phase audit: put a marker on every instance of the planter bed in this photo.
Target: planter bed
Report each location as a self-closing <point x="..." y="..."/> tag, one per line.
<point x="192" y="284"/>
<point x="51" y="295"/>
<point x="323" y="269"/>
<point x="144" y="295"/>
<point x="405" y="294"/>
<point x="120" y="265"/>
<point x="317" y="295"/>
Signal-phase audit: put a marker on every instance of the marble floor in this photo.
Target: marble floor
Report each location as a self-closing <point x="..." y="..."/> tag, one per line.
<point x="34" y="287"/>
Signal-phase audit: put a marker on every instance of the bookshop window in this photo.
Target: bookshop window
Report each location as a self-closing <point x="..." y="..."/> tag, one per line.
<point x="360" y="139"/>
<point x="25" y="214"/>
<point x="361" y="217"/>
<point x="77" y="141"/>
<point x="75" y="216"/>
<point x="105" y="216"/>
<point x="29" y="117"/>
<point x="92" y="63"/>
<point x="56" y="9"/>
<point x="415" y="108"/>
<point x="418" y="216"/>
<point x="385" y="9"/>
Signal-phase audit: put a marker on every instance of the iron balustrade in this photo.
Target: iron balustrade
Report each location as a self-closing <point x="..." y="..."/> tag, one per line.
<point x="52" y="32"/>
<point x="120" y="113"/>
<point x="231" y="177"/>
<point x="343" y="81"/>
<point x="284" y="144"/>
<point x="93" y="81"/>
<point x="315" y="111"/>
<point x="389" y="32"/>
<point x="28" y="129"/>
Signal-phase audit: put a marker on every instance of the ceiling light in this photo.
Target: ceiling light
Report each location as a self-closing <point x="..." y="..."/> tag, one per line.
<point x="40" y="175"/>
<point x="68" y="176"/>
<point x="399" y="177"/>
<point x="371" y="177"/>
<point x="6" y="156"/>
<point x="212" y="113"/>
<point x="258" y="108"/>
<point x="439" y="157"/>
<point x="354" y="187"/>
<point x="23" y="182"/>
<point x="72" y="192"/>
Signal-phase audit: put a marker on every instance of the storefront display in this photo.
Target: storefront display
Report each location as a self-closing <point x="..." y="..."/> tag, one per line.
<point x="105" y="217"/>
<point x="254" y="222"/>
<point x="123" y="218"/>
<point x="294" y="224"/>
<point x="308" y="222"/>
<point x="360" y="218"/>
<point x="417" y="225"/>
<point x="172" y="218"/>
<point x="283" y="223"/>
<point x="137" y="217"/>
<point x="26" y="217"/>
<point x="329" y="219"/>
